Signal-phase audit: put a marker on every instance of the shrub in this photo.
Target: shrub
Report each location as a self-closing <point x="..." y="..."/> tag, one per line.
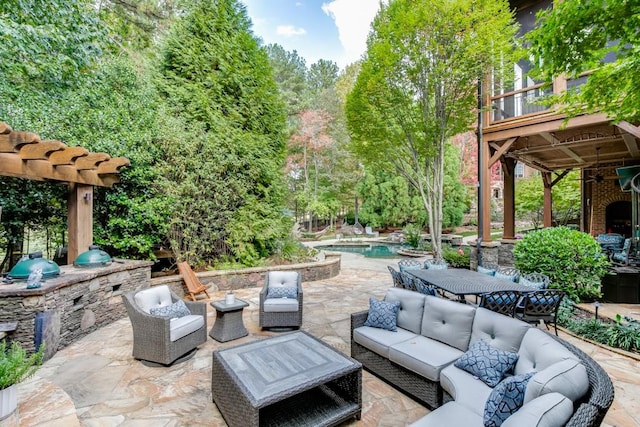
<point x="15" y="365"/>
<point x="456" y="259"/>
<point x="572" y="259"/>
<point x="412" y="235"/>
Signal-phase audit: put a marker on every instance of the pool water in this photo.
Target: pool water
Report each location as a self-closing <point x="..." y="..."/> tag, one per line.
<point x="389" y="250"/>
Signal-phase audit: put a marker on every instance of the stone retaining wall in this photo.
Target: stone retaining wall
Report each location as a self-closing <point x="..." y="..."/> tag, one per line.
<point x="225" y="280"/>
<point x="72" y="305"/>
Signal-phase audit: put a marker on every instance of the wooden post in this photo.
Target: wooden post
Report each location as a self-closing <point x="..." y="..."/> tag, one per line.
<point x="79" y="219"/>
<point x="547" y="216"/>
<point x="509" y="198"/>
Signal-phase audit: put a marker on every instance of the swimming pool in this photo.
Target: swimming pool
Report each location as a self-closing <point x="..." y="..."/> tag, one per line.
<point x="374" y="250"/>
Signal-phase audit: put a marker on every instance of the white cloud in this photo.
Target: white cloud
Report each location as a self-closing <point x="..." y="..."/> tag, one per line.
<point x="290" y="31"/>
<point x="353" y="19"/>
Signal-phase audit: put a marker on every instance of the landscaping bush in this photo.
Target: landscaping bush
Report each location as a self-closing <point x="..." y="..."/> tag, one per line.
<point x="412" y="235"/>
<point x="455" y="258"/>
<point x="572" y="259"/>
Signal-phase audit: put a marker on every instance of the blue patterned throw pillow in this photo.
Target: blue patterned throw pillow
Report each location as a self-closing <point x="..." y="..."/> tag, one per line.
<point x="383" y="314"/>
<point x="487" y="363"/>
<point x="282" y="292"/>
<point x="177" y="309"/>
<point x="505" y="399"/>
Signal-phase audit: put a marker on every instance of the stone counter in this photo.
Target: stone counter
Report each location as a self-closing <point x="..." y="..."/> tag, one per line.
<point x="71" y="305"/>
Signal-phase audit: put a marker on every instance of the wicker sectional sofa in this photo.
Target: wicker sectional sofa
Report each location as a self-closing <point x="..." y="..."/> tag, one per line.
<point x="566" y="387"/>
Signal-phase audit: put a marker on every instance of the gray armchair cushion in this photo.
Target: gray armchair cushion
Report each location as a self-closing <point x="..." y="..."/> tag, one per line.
<point x="158" y="296"/>
<point x="183" y="326"/>
<point x="378" y="340"/>
<point x="499" y="331"/>
<point x="424" y="356"/>
<point x="447" y="321"/>
<point x="283" y="278"/>
<point x="550" y="410"/>
<point x="275" y="305"/>
<point x="411" y="308"/>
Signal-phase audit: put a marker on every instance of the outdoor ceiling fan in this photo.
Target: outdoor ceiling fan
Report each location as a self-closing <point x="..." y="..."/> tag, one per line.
<point x="598" y="177"/>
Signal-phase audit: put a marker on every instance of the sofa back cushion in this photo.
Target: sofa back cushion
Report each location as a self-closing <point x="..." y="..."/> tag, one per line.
<point x="557" y="369"/>
<point x="283" y="278"/>
<point x="447" y="321"/>
<point x="499" y="331"/>
<point x="411" y="308"/>
<point x="156" y="297"/>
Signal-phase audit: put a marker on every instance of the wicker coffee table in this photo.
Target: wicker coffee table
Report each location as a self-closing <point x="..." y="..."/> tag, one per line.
<point x="288" y="380"/>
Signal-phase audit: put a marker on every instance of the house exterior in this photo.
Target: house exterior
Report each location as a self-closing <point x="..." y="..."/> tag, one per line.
<point x="514" y="130"/>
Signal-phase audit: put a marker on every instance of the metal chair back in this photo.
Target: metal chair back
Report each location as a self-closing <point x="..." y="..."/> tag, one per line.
<point x="541" y="305"/>
<point x="535" y="280"/>
<point x="408" y="281"/>
<point x="409" y="264"/>
<point x="503" y="302"/>
<point x="436" y="264"/>
<point x="395" y="276"/>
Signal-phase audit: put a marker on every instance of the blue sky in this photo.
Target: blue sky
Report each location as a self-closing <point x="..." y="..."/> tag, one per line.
<point x="317" y="29"/>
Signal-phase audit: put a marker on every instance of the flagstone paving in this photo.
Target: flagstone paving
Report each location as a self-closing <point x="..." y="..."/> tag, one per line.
<point x="96" y="382"/>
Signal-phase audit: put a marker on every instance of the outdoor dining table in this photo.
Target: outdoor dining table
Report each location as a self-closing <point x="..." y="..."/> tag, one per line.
<point x="460" y="281"/>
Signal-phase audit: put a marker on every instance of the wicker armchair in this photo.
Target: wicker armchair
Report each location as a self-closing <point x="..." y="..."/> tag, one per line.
<point x="159" y="339"/>
<point x="281" y="312"/>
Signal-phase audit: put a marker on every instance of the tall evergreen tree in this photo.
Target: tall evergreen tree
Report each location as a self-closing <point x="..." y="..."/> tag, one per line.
<point x="226" y="173"/>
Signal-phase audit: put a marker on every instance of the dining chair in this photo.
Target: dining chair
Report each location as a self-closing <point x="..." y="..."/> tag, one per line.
<point x="408" y="281"/>
<point x="507" y="273"/>
<point x="409" y="264"/>
<point x="540" y="306"/>
<point x="535" y="280"/>
<point x="436" y="264"/>
<point x="395" y="276"/>
<point x="503" y="302"/>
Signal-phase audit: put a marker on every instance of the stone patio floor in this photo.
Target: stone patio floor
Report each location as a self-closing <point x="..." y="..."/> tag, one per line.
<point x="96" y="382"/>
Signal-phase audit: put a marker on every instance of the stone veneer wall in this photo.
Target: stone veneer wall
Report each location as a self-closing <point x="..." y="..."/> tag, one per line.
<point x="500" y="253"/>
<point x="72" y="305"/>
<point x="224" y="280"/>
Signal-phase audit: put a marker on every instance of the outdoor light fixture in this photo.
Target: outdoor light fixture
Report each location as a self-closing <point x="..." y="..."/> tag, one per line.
<point x="597" y="304"/>
<point x="87" y="196"/>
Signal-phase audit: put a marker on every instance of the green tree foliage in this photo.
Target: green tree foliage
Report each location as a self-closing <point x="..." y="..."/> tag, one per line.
<point x="290" y="74"/>
<point x="417" y="87"/>
<point x="573" y="260"/>
<point x="225" y="174"/>
<point x="575" y="37"/>
<point x="566" y="199"/>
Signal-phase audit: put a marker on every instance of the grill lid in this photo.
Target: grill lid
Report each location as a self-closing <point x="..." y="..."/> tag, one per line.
<point x="94" y="257"/>
<point x="32" y="262"/>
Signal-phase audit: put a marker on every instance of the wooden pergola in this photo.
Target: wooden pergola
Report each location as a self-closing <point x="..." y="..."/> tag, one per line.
<point x="25" y="155"/>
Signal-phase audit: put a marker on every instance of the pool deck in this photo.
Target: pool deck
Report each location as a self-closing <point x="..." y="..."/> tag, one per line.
<point x="96" y="382"/>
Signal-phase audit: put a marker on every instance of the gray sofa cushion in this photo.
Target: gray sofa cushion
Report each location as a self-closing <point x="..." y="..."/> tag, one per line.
<point x="424" y="356"/>
<point x="447" y="321"/>
<point x="550" y="410"/>
<point x="465" y="389"/>
<point x="411" y="308"/>
<point x="283" y="278"/>
<point x="499" y="331"/>
<point x="378" y="340"/>
<point x="567" y="377"/>
<point x="539" y="351"/>
<point x="450" y="414"/>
